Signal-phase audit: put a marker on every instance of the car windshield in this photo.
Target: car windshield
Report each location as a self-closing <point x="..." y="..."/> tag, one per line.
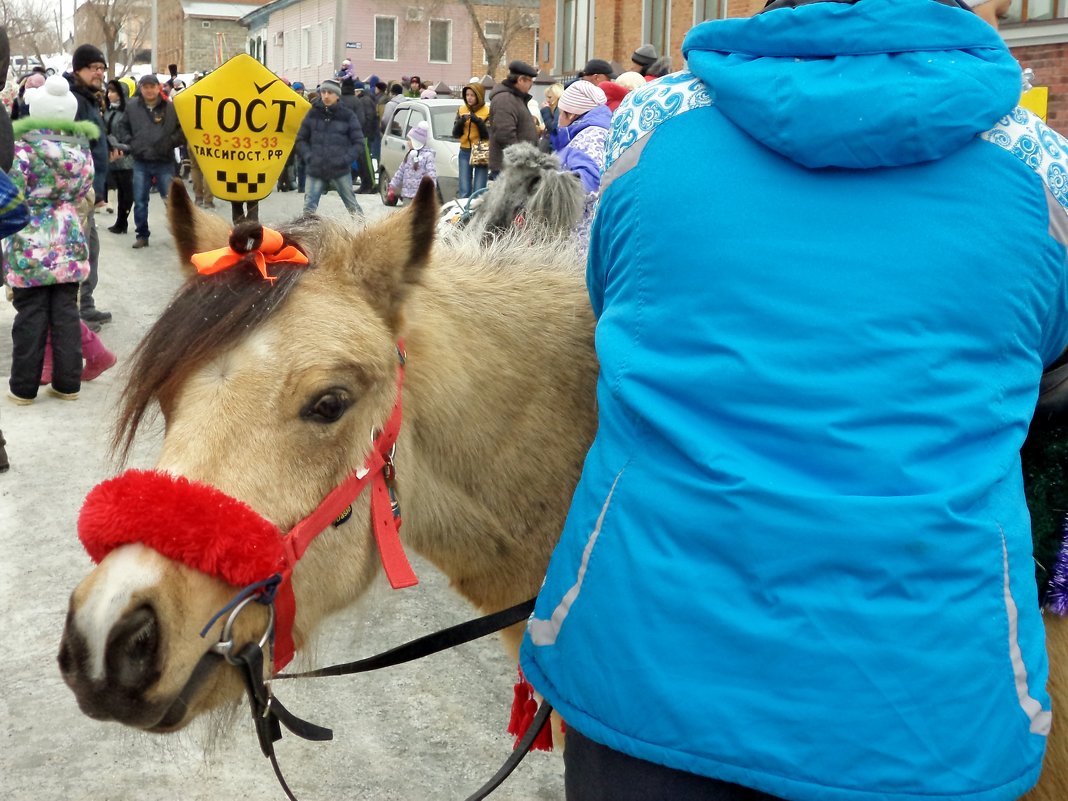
<point x="442" y="118"/>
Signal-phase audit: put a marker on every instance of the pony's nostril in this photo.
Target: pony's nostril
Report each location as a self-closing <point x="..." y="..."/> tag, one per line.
<point x="133" y="647"/>
<point x="65" y="660"/>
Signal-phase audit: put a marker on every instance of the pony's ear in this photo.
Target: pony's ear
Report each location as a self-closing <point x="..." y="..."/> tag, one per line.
<point x="407" y="239"/>
<point x="193" y="230"/>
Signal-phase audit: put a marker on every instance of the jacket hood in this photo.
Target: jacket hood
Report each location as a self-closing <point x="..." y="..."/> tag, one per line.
<point x="480" y="94"/>
<point x="596" y="117"/>
<point x="874" y="83"/>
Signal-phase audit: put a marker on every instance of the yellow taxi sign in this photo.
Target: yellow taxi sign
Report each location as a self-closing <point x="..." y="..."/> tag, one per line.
<point x="240" y="122"/>
<point x="1036" y="99"/>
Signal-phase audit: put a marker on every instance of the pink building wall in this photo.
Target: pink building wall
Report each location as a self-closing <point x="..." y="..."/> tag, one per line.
<point x="357" y="28"/>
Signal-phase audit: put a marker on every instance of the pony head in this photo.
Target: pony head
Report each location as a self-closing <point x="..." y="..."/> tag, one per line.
<point x="269" y="391"/>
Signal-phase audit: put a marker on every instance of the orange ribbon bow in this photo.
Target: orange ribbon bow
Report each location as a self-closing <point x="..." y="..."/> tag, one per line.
<point x="271" y="250"/>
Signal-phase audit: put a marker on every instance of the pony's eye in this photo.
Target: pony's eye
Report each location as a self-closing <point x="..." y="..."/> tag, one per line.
<point x="327" y="408"/>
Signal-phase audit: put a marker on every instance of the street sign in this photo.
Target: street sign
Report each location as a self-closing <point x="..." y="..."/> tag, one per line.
<point x="240" y="121"/>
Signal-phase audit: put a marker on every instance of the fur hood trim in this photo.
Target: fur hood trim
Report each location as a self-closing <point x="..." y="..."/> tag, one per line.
<point x="90" y="130"/>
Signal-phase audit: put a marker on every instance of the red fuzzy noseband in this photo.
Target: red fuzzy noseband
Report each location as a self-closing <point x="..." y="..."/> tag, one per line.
<point x="187" y="521"/>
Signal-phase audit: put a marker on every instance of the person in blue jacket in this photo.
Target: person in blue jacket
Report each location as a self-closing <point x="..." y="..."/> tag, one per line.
<point x="797" y="564"/>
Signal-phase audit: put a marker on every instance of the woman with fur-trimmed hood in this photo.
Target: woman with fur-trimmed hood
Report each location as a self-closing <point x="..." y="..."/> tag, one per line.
<point x="46" y="260"/>
<point x="470" y="128"/>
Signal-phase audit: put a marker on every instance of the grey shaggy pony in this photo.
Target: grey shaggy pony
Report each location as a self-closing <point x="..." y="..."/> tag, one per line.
<point x="531" y="184"/>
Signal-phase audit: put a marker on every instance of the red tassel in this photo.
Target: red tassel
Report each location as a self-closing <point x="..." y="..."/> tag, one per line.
<point x="520" y="693"/>
<point x="544" y="740"/>
<point x="524" y="708"/>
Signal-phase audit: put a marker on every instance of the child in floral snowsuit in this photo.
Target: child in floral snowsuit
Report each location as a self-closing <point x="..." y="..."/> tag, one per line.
<point x="46" y="260"/>
<point x="419" y="162"/>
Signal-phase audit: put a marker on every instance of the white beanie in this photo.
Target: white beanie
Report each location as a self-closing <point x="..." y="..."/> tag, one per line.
<point x="419" y="133"/>
<point x="580" y="97"/>
<point x="630" y="80"/>
<point x="53" y="101"/>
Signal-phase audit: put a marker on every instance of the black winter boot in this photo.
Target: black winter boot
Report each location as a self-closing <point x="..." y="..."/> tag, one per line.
<point x="4" y="463"/>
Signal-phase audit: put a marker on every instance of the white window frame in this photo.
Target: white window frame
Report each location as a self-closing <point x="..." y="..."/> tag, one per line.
<point x="329" y="52"/>
<point x="305" y="46"/>
<point x="317" y="40"/>
<point x="485" y="29"/>
<point x="396" y="28"/>
<point x="663" y="46"/>
<point x="291" y="49"/>
<point x="430" y="42"/>
<point x="697" y="18"/>
<point x="580" y="32"/>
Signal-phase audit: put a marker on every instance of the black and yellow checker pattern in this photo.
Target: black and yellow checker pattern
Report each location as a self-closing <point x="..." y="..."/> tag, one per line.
<point x="242" y="181"/>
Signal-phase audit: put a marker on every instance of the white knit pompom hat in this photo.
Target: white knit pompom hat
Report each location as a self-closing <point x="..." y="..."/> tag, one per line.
<point x="53" y="101"/>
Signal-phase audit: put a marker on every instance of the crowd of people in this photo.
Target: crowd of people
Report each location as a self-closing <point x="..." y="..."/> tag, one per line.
<point x="84" y="147"/>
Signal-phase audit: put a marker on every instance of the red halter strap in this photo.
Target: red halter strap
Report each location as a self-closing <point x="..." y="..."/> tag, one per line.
<point x="199" y="526"/>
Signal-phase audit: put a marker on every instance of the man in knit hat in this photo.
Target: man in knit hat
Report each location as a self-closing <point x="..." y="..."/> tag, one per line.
<point x="643" y="58"/>
<point x="510" y="120"/>
<point x="328" y="142"/>
<point x="86" y="80"/>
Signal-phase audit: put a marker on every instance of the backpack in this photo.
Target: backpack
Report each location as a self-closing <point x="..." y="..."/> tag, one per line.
<point x="14" y="213"/>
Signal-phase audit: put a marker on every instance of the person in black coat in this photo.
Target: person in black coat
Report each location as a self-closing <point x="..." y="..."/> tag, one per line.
<point x="329" y="140"/>
<point x="120" y="167"/>
<point x="367" y="114"/>
<point x="86" y="80"/>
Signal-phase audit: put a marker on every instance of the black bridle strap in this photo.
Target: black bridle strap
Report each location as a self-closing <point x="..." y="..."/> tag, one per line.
<point x="268" y="715"/>
<point x="427" y="645"/>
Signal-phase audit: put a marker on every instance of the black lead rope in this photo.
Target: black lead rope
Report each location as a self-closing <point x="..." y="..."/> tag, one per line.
<point x="426" y="645"/>
<point x="269" y="715"/>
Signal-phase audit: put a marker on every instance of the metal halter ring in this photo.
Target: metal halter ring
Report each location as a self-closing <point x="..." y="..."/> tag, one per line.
<point x="225" y="645"/>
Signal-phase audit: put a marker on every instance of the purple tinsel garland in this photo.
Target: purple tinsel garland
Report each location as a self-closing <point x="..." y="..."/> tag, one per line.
<point x="1057" y="594"/>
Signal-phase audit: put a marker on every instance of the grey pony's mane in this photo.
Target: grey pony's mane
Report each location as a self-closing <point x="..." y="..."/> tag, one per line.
<point x="531" y="183"/>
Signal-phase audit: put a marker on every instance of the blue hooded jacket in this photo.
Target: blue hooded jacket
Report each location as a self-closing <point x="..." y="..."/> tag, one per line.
<point x="799" y="556"/>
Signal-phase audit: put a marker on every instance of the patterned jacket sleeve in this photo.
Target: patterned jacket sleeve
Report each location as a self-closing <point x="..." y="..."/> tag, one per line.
<point x="1045" y="152"/>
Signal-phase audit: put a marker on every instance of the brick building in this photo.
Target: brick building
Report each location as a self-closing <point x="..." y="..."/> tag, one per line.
<point x="200" y="35"/>
<point x="306" y="40"/>
<point x="1042" y="45"/>
<point x="573" y="31"/>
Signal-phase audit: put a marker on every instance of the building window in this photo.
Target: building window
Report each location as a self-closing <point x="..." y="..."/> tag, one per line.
<point x="657" y="24"/>
<point x="317" y="45"/>
<point x="537" y="44"/>
<point x="292" y="50"/>
<point x="205" y="23"/>
<point x="305" y="46"/>
<point x="1035" y="10"/>
<point x="385" y="38"/>
<point x="328" y="42"/>
<point x="708" y="9"/>
<point x="441" y="41"/>
<point x="493" y="31"/>
<point x="574" y="33"/>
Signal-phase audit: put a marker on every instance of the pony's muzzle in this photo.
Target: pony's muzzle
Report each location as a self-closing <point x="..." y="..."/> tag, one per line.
<point x="112" y="686"/>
